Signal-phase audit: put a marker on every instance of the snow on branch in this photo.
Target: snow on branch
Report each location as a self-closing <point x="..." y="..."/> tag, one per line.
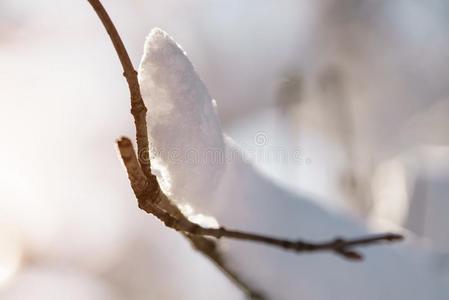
<point x="148" y="201"/>
<point x="153" y="200"/>
<point x="143" y="182"/>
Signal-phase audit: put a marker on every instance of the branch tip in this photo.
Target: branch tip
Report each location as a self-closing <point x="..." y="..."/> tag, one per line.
<point x="123" y="142"/>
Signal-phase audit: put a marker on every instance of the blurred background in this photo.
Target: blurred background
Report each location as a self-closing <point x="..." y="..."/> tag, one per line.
<point x="359" y="90"/>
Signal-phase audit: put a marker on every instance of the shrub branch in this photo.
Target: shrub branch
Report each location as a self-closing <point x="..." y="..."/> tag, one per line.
<point x="149" y="199"/>
<point x="152" y="200"/>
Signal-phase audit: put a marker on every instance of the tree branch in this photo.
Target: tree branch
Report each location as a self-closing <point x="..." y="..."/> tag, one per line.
<point x="149" y="203"/>
<point x="140" y="168"/>
<point x="138" y="109"/>
<point x="154" y="201"/>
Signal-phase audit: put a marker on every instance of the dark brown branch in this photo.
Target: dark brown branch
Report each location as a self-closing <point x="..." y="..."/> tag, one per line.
<point x="162" y="208"/>
<point x="149" y="203"/>
<point x="143" y="180"/>
<point x="150" y="186"/>
<point x="154" y="201"/>
<point x="209" y="247"/>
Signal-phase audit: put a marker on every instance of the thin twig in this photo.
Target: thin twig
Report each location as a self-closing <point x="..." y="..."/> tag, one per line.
<point x="149" y="204"/>
<point x="209" y="247"/>
<point x="138" y="109"/>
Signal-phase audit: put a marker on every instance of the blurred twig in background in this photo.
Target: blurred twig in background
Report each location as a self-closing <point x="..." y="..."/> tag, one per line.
<point x="339" y="110"/>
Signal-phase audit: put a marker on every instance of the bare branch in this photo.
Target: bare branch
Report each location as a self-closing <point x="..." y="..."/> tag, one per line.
<point x="154" y="201"/>
<point x="339" y="246"/>
<point x="138" y="109"/>
<point x="144" y="182"/>
<point x="165" y="210"/>
<point x="209" y="248"/>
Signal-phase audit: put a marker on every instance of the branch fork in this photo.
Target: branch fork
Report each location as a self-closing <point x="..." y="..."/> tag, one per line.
<point x="152" y="200"/>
